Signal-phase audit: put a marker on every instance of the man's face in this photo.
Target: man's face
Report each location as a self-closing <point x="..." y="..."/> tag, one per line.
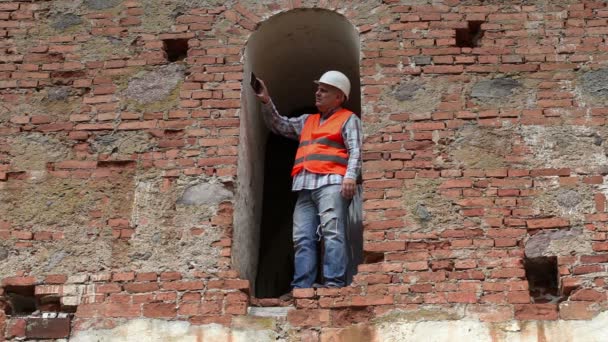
<point x="327" y="97"/>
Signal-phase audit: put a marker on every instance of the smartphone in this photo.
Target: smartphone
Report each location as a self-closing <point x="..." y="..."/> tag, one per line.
<point x="255" y="84"/>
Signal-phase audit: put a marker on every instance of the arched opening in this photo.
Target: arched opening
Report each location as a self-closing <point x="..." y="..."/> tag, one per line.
<point x="288" y="51"/>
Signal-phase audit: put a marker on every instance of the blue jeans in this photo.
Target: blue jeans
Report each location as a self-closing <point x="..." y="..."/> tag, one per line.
<point x="320" y="213"/>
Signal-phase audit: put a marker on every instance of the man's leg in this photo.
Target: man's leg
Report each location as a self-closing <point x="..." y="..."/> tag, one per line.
<point x="333" y="209"/>
<point x="305" y="223"/>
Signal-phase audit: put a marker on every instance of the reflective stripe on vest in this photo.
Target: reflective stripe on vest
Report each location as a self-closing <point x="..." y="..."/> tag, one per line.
<point x="322" y="141"/>
<point x="322" y="149"/>
<point x="323" y="157"/>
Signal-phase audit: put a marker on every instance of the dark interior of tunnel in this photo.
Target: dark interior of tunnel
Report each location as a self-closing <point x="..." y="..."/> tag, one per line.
<point x="275" y="264"/>
<point x="543" y="279"/>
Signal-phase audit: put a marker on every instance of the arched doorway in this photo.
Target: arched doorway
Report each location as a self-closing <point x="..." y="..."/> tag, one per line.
<point x="288" y="51"/>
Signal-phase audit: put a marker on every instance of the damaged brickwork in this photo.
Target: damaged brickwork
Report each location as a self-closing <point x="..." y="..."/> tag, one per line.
<point x="118" y="172"/>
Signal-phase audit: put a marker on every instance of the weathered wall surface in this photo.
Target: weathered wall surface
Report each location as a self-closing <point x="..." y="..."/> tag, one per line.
<point x="118" y="169"/>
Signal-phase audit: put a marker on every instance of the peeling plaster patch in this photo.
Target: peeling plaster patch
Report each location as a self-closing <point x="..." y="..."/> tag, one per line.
<point x="205" y="193"/>
<point x="103" y="48"/>
<point x="64" y="21"/>
<point x="160" y="330"/>
<point x="159" y="16"/>
<point x="481" y="147"/>
<point x="123" y="143"/>
<point x="563" y="242"/>
<point x="566" y="146"/>
<point x="58" y="93"/>
<point x="78" y="251"/>
<point x="406" y="91"/>
<point x="154" y="85"/>
<point x="54" y="260"/>
<point x="100" y="4"/>
<point x="504" y="93"/>
<point x="422" y="60"/>
<point x="494" y="89"/>
<point x="42" y="103"/>
<point x="3" y="253"/>
<point x="474" y="330"/>
<point x="440" y="331"/>
<point x="420" y="95"/>
<point x="162" y="240"/>
<point x="32" y="151"/>
<point x="594" y="86"/>
<point x="421" y="314"/>
<point x="49" y="202"/>
<point x="570" y="202"/>
<point x="63" y="207"/>
<point x="604" y="186"/>
<point x="426" y="208"/>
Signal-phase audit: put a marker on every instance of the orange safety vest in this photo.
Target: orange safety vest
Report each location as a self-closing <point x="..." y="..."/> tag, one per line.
<point x="322" y="148"/>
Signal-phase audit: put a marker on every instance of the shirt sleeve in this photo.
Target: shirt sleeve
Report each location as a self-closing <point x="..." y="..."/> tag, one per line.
<point x="287" y="127"/>
<point x="351" y="134"/>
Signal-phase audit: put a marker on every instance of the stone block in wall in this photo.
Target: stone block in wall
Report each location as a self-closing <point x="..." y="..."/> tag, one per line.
<point x="38" y="327"/>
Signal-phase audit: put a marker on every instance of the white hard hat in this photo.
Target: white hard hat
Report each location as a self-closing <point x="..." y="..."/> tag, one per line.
<point x="336" y="79"/>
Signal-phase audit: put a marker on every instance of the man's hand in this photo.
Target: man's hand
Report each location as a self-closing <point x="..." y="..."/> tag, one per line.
<point x="263" y="94"/>
<point x="349" y="186"/>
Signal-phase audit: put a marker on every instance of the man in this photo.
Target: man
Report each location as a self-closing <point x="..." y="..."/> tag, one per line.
<point x="325" y="173"/>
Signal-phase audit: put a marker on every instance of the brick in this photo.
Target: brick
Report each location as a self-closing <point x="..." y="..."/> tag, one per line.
<point x="555" y="222"/>
<point x="16" y="328"/>
<point x="184" y="285"/>
<point x="588" y="295"/>
<point x="540" y="312"/>
<point x="121" y="310"/>
<point x="123" y="276"/>
<point x="170" y="276"/>
<point x="76" y="164"/>
<point x="518" y="297"/>
<point x="578" y="310"/>
<point x="108" y="288"/>
<point x="461" y="297"/>
<point x="140" y="287"/>
<point x="508" y="273"/>
<point x="55" y="279"/>
<point x="159" y="310"/>
<point x="19" y="281"/>
<point x="372" y="300"/>
<point x="587" y="269"/>
<point x="491" y="313"/>
<point x="303" y="293"/>
<point x="456" y="183"/>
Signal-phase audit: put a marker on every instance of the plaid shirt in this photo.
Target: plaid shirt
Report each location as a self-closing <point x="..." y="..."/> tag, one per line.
<point x="292" y="127"/>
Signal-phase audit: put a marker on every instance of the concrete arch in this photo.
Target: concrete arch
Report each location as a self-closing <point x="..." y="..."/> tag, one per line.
<point x="288" y="51"/>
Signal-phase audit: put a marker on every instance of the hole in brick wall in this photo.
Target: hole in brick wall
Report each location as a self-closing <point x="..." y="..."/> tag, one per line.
<point x="543" y="279"/>
<point x="176" y="49"/>
<point x="21" y="300"/>
<point x="372" y="257"/>
<point x="470" y="36"/>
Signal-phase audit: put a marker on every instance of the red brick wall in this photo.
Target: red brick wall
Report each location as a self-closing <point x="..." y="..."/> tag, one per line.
<point x="484" y="167"/>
